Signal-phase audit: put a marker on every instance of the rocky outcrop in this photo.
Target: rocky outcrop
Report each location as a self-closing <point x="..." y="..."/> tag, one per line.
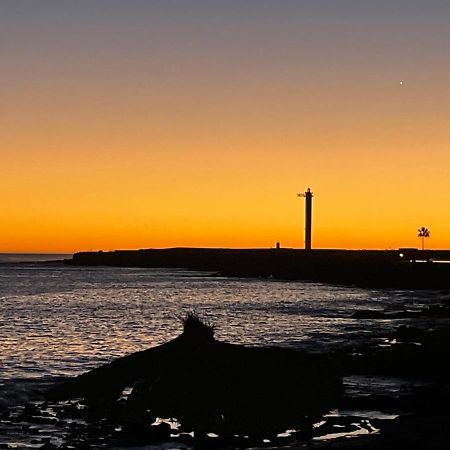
<point x="212" y="386"/>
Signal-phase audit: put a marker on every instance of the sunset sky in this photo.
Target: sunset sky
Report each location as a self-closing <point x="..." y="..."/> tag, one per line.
<point x="140" y="123"/>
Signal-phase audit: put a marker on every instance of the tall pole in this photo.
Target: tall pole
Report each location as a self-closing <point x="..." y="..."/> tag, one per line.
<point x="308" y="217"/>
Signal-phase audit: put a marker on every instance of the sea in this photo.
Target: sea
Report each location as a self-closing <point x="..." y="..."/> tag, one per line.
<point x="58" y="320"/>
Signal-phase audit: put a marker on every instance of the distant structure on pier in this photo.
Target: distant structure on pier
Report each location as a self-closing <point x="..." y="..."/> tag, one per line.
<point x="308" y="195"/>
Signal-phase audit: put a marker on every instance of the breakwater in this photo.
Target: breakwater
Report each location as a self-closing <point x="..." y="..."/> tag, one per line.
<point x="369" y="268"/>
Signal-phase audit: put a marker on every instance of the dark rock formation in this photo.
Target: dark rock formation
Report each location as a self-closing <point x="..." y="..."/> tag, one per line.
<point x="212" y="386"/>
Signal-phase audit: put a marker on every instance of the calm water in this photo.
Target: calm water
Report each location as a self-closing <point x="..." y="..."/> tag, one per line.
<point x="58" y="320"/>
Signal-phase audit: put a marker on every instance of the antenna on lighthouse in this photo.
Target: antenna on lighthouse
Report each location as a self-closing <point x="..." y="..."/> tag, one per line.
<point x="308" y="195"/>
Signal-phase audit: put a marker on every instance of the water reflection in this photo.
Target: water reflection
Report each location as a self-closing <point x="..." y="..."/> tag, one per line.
<point x="64" y="320"/>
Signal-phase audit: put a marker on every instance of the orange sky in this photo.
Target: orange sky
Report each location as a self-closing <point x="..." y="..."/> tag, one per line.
<point x="123" y="131"/>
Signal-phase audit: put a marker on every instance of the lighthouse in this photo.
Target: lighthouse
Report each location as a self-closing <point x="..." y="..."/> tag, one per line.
<point x="308" y="195"/>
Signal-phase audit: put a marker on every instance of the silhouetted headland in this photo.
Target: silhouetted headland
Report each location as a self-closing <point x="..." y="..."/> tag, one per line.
<point x="408" y="268"/>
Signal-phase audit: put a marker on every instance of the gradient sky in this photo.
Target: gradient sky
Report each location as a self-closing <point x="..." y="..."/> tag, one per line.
<point x="133" y="124"/>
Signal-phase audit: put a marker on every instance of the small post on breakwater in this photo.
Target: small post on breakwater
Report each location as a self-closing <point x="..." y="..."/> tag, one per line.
<point x="308" y="195"/>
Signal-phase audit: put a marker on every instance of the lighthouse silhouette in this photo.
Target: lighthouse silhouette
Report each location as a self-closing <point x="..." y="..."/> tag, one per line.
<point x="308" y="195"/>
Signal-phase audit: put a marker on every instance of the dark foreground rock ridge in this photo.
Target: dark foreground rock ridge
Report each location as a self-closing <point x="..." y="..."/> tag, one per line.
<point x="210" y="386"/>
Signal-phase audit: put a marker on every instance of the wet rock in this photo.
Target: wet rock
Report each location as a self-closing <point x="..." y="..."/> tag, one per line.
<point x="185" y="438"/>
<point x="212" y="386"/>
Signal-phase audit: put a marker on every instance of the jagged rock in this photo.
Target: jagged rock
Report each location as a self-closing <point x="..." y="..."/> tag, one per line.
<point x="212" y="386"/>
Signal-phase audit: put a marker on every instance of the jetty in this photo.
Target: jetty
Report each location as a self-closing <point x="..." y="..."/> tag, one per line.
<point x="403" y="268"/>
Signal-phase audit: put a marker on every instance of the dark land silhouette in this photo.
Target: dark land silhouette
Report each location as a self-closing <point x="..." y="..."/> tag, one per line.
<point x="415" y="269"/>
<point x="209" y="386"/>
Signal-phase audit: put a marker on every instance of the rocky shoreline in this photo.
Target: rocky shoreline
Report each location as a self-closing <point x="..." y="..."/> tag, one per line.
<point x="395" y="396"/>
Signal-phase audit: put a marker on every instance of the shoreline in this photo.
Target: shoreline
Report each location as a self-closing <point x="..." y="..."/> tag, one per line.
<point x="399" y="269"/>
<point x="414" y="407"/>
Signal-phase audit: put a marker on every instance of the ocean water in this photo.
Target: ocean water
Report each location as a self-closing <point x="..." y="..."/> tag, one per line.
<point x="13" y="258"/>
<point x="62" y="320"/>
<point x="57" y="320"/>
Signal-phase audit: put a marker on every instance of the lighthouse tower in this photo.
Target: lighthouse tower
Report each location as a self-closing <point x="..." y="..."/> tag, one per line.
<point x="308" y="217"/>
